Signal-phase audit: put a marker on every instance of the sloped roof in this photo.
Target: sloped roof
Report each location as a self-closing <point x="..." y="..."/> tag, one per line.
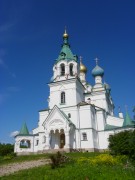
<point x="66" y="53"/>
<point x="62" y="113"/>
<point x="111" y="127"/>
<point x="24" y="130"/>
<point x="128" y="121"/>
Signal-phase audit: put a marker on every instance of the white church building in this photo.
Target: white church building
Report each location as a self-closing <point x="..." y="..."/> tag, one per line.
<point x="79" y="117"/>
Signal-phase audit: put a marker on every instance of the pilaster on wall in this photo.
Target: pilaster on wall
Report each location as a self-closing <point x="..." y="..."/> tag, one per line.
<point x="100" y="115"/>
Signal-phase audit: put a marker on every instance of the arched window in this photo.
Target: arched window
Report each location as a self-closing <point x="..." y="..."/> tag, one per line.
<point x="71" y="69"/>
<point x="62" y="67"/>
<point x="62" y="97"/>
<point x="25" y="143"/>
<point x="84" y="136"/>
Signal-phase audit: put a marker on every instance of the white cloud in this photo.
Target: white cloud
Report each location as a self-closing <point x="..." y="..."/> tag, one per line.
<point x="14" y="133"/>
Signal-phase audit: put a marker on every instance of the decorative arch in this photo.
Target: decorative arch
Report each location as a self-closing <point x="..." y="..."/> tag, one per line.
<point x="25" y="143"/>
<point x="62" y="69"/>
<point x="71" y="72"/>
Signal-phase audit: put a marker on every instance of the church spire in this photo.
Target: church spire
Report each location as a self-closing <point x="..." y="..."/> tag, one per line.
<point x="66" y="53"/>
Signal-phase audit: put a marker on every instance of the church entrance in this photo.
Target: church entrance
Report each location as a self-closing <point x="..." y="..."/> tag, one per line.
<point x="57" y="139"/>
<point x="62" y="140"/>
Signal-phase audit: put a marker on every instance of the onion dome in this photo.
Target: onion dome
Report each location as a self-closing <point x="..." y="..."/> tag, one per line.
<point x="83" y="68"/>
<point x="97" y="71"/>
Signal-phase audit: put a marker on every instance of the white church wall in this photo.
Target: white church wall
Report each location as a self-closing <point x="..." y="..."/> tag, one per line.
<point x="103" y="139"/>
<point x="99" y="99"/>
<point x="70" y="95"/>
<point x="87" y="144"/>
<point x="72" y="110"/>
<point x="85" y="117"/>
<point x="100" y="117"/>
<point x="18" y="140"/>
<point x="95" y="139"/>
<point x="115" y="121"/>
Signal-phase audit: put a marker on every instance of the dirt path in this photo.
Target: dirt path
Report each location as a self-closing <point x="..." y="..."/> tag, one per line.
<point x="11" y="168"/>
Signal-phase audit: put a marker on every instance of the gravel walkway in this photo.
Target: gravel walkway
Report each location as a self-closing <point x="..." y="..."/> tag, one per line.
<point x="11" y="168"/>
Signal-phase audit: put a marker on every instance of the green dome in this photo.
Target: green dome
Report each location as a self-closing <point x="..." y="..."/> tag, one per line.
<point x="97" y="71"/>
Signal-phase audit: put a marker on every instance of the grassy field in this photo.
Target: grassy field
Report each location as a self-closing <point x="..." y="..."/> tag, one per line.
<point x="80" y="168"/>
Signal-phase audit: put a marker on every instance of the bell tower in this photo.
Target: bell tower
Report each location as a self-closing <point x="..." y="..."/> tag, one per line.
<point x="66" y="66"/>
<point x="66" y="89"/>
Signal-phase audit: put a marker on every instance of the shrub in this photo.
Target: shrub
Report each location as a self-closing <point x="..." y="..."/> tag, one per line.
<point x="6" y="149"/>
<point x="104" y="159"/>
<point x="58" y="160"/>
<point x="123" y="143"/>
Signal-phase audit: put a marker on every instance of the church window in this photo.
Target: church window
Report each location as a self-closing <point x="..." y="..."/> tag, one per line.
<point x="69" y="115"/>
<point x="71" y="69"/>
<point x="62" y="97"/>
<point x="84" y="136"/>
<point x="62" y="66"/>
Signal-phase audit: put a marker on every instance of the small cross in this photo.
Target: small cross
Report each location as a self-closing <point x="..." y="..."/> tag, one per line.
<point x="96" y="59"/>
<point x="81" y="59"/>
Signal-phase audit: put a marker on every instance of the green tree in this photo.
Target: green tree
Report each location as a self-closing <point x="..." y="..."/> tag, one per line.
<point x="123" y="143"/>
<point x="6" y="149"/>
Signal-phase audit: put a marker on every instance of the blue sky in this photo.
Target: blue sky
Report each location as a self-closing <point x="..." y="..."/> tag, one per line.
<point x="30" y="41"/>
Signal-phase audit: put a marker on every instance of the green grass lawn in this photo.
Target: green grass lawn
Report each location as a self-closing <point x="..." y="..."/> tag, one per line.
<point x="76" y="171"/>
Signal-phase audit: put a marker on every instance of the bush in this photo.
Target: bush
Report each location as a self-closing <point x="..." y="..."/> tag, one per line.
<point x="104" y="159"/>
<point x="123" y="143"/>
<point x="58" y="160"/>
<point x="6" y="149"/>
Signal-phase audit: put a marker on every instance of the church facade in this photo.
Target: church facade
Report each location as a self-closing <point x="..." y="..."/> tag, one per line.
<point x="79" y="116"/>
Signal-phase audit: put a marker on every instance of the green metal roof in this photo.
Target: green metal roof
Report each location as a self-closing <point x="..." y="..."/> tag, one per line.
<point x="128" y="121"/>
<point x="110" y="127"/>
<point x="66" y="53"/>
<point x="24" y="130"/>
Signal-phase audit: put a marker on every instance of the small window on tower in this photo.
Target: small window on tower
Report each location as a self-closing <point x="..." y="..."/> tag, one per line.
<point x="84" y="136"/>
<point x="62" y="66"/>
<point x="62" y="97"/>
<point x="71" y="69"/>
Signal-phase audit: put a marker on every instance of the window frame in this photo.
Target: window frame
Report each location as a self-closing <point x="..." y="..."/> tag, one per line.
<point x="84" y="136"/>
<point x="62" y="69"/>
